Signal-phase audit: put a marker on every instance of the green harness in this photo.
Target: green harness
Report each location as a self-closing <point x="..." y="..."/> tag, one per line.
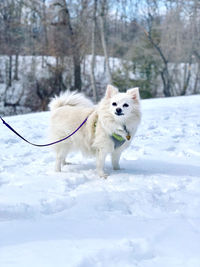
<point x="117" y="139"/>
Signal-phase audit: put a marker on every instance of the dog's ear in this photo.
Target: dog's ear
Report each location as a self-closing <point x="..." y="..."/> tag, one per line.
<point x="134" y="92"/>
<point x="111" y="91"/>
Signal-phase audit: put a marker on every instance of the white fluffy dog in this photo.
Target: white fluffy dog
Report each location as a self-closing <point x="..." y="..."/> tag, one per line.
<point x="109" y="129"/>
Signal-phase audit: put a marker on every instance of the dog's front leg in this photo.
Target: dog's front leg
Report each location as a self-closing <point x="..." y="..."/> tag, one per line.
<point x="115" y="160"/>
<point x="101" y="157"/>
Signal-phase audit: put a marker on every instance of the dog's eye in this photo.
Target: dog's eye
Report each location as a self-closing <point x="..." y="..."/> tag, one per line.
<point x="125" y="105"/>
<point x="114" y="104"/>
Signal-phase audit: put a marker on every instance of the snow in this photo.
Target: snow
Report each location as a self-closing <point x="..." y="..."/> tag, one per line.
<point x="145" y="215"/>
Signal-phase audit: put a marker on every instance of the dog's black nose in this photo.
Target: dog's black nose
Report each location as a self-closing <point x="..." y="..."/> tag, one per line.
<point x="119" y="110"/>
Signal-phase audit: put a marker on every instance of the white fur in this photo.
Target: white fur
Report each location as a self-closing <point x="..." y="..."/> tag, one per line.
<point x="69" y="98"/>
<point x="69" y="110"/>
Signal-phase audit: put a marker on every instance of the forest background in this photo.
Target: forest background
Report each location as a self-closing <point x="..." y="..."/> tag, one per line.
<point x="51" y="46"/>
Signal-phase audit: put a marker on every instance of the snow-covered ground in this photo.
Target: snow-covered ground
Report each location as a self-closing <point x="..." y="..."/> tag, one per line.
<point x="145" y="215"/>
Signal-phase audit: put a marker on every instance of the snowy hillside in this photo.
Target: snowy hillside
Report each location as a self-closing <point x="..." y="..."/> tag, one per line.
<point x="145" y="215"/>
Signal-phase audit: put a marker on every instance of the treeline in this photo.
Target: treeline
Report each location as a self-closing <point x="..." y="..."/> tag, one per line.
<point x="157" y="41"/>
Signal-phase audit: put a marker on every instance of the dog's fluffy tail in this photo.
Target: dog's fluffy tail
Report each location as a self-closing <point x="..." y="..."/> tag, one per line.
<point x="69" y="99"/>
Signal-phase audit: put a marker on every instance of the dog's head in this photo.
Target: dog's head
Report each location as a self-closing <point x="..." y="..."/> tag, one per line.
<point x="122" y="105"/>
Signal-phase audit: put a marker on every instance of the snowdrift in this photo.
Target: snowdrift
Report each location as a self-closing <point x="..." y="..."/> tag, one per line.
<point x="145" y="215"/>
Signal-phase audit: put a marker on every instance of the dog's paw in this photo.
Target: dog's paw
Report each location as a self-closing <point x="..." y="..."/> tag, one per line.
<point x="103" y="175"/>
<point x="57" y="169"/>
<point x="116" y="167"/>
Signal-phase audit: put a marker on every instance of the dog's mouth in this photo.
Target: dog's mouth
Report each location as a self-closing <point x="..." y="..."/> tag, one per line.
<point x="119" y="114"/>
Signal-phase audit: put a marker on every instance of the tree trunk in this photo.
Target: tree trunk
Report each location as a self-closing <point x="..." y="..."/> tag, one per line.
<point x="103" y="39"/>
<point x="92" y="72"/>
<point x="197" y="54"/>
<point x="45" y="40"/>
<point x="187" y="80"/>
<point x="74" y="48"/>
<point x="77" y="71"/>
<point x="166" y="81"/>
<point x="16" y="72"/>
<point x="9" y="72"/>
<point x="197" y="79"/>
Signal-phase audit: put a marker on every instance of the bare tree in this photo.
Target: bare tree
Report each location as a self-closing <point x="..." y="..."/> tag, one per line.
<point x="102" y="18"/>
<point x="193" y="40"/>
<point x="93" y="52"/>
<point x="153" y="35"/>
<point x="75" y="36"/>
